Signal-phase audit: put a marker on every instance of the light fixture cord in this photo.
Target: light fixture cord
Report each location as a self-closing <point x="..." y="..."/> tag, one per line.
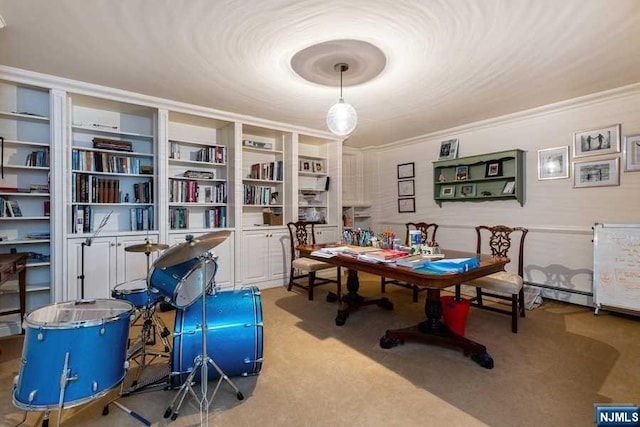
<point x="341" y="71"/>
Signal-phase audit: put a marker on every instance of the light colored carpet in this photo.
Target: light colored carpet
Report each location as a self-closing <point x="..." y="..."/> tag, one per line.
<point x="563" y="360"/>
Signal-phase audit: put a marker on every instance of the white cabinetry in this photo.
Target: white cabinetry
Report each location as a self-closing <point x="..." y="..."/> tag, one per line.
<point x="106" y="264"/>
<point x="327" y="234"/>
<point x="356" y="215"/>
<point x="265" y="256"/>
<point x="25" y="136"/>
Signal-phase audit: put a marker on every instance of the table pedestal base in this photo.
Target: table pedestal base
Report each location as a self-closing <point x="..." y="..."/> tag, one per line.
<point x="352" y="301"/>
<point x="433" y="331"/>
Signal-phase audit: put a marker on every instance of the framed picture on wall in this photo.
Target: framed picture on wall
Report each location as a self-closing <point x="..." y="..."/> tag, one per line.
<point x="553" y="163"/>
<point x="462" y="173"/>
<point x="448" y="191"/>
<point x="632" y="153"/>
<point x="596" y="173"/>
<point x="406" y="170"/>
<point x="594" y="142"/>
<point x="407" y="205"/>
<point x="493" y="168"/>
<point x="406" y="188"/>
<point x="448" y="149"/>
<point x="468" y="190"/>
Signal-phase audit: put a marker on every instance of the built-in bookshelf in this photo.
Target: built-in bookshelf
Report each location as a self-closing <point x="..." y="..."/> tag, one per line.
<point x="263" y="176"/>
<point x="25" y="201"/>
<point x="198" y="173"/>
<point x="314" y="182"/>
<point x="113" y="166"/>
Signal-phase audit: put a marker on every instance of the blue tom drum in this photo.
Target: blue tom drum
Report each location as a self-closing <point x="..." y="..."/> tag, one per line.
<point x="137" y="293"/>
<point x="182" y="283"/>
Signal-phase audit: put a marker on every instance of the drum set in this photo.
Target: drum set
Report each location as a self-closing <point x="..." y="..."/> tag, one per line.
<point x="77" y="351"/>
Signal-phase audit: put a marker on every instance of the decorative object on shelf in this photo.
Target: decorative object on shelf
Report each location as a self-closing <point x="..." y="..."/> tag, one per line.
<point x="594" y="142"/>
<point x="406" y="170"/>
<point x="442" y="178"/>
<point x="462" y="173"/>
<point x="448" y="149"/>
<point x="553" y="163"/>
<point x="509" y="187"/>
<point x="632" y="152"/>
<point x="596" y="173"/>
<point x="342" y="117"/>
<point x="257" y="144"/>
<point x="493" y="169"/>
<point x="468" y="190"/>
<point x="406" y="188"/>
<point x="407" y="205"/>
<point x="448" y="191"/>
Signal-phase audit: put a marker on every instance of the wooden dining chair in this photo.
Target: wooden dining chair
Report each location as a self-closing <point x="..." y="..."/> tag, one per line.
<point x="503" y="285"/>
<point x="427" y="233"/>
<point x="303" y="233"/>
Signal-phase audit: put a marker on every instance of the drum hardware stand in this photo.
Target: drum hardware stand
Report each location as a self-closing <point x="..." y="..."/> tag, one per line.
<point x="201" y="362"/>
<point x="87" y="242"/>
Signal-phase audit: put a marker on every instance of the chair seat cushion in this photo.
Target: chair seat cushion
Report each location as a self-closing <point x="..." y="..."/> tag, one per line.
<point x="502" y="281"/>
<point x="308" y="264"/>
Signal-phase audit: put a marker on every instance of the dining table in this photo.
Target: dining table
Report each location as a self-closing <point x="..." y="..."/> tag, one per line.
<point x="430" y="330"/>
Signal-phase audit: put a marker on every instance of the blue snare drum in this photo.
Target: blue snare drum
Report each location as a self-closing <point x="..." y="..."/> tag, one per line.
<point x="76" y="348"/>
<point x="234" y="335"/>
<point x="137" y="293"/>
<point x="182" y="283"/>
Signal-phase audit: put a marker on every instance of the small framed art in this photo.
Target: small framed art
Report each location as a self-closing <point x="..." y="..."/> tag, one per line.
<point x="509" y="187"/>
<point x="447" y="191"/>
<point x="493" y="169"/>
<point x="553" y="163"/>
<point x="406" y="170"/>
<point x="468" y="190"/>
<point x="632" y="153"/>
<point x="448" y="149"/>
<point x="406" y="188"/>
<point x="462" y="173"/>
<point x="594" y="142"/>
<point x="596" y="173"/>
<point x="407" y="205"/>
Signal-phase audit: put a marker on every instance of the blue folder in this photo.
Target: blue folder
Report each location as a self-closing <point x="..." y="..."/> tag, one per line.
<point x="454" y="265"/>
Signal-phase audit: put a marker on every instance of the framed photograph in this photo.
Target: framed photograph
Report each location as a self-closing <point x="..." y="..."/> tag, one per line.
<point x="632" y="153"/>
<point x="407" y="205"/>
<point x="594" y="142"/>
<point x="406" y="170"/>
<point x="468" y="190"/>
<point x="462" y="173"/>
<point x="493" y="168"/>
<point x="448" y="191"/>
<point x="406" y="188"/>
<point x="553" y="163"/>
<point x="317" y="167"/>
<point x="509" y="187"/>
<point x="596" y="173"/>
<point x="448" y="149"/>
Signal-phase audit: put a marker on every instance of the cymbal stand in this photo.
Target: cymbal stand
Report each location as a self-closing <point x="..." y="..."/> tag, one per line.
<point x="202" y="361"/>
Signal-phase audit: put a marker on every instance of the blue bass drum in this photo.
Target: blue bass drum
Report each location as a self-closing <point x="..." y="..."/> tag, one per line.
<point x="73" y="352"/>
<point x="234" y="335"/>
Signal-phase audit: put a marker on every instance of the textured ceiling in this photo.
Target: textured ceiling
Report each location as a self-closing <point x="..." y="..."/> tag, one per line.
<point x="449" y="62"/>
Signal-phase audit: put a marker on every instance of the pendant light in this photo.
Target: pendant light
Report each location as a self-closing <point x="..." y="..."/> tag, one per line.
<point x="342" y="117"/>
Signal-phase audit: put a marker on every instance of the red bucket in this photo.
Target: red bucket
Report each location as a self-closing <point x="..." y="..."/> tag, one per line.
<point x="455" y="313"/>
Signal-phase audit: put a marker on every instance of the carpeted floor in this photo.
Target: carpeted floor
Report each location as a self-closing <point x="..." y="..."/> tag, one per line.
<point x="563" y="360"/>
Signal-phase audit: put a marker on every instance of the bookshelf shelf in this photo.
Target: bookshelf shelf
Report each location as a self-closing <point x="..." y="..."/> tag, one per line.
<point x="24" y="116"/>
<point x="101" y="131"/>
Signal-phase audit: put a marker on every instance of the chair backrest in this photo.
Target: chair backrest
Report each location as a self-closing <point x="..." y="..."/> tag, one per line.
<point x="425" y="229"/>
<point x="500" y="241"/>
<point x="300" y="234"/>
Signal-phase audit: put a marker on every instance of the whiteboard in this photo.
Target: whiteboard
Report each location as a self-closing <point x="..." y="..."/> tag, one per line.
<point x="616" y="266"/>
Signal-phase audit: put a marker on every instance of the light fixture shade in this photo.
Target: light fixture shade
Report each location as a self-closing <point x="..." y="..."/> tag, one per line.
<point x="342" y="118"/>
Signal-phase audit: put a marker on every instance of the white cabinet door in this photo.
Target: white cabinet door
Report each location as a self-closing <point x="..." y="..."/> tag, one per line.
<point x="99" y="268"/>
<point x="279" y="254"/>
<point x="327" y="234"/>
<point x="133" y="265"/>
<point x="255" y="256"/>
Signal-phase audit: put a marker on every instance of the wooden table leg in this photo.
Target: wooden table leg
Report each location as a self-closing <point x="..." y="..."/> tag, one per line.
<point x="352" y="301"/>
<point x="433" y="331"/>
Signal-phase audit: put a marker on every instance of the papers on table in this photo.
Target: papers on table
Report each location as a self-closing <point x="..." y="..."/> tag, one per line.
<point x="453" y="265"/>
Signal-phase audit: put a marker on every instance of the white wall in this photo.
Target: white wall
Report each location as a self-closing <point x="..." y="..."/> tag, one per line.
<point x="558" y="249"/>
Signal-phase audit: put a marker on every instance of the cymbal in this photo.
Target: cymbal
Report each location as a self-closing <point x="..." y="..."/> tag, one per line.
<point x="190" y="249"/>
<point x="146" y="247"/>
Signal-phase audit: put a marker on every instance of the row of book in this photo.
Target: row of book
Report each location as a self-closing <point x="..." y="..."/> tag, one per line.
<point x="90" y="161"/>
<point x="257" y="194"/>
<point x="213" y="218"/>
<point x="91" y="189"/>
<point x="38" y="158"/>
<point x="216" y="154"/>
<point x="112" y="144"/>
<point x="82" y="217"/>
<point x="271" y="171"/>
<point x="142" y="218"/>
<point x="194" y="192"/>
<point x="9" y="208"/>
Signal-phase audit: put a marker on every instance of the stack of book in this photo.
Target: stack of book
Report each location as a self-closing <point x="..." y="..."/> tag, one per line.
<point x="112" y="144"/>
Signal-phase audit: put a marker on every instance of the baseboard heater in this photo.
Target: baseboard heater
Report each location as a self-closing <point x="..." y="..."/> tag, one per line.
<point x="556" y="288"/>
